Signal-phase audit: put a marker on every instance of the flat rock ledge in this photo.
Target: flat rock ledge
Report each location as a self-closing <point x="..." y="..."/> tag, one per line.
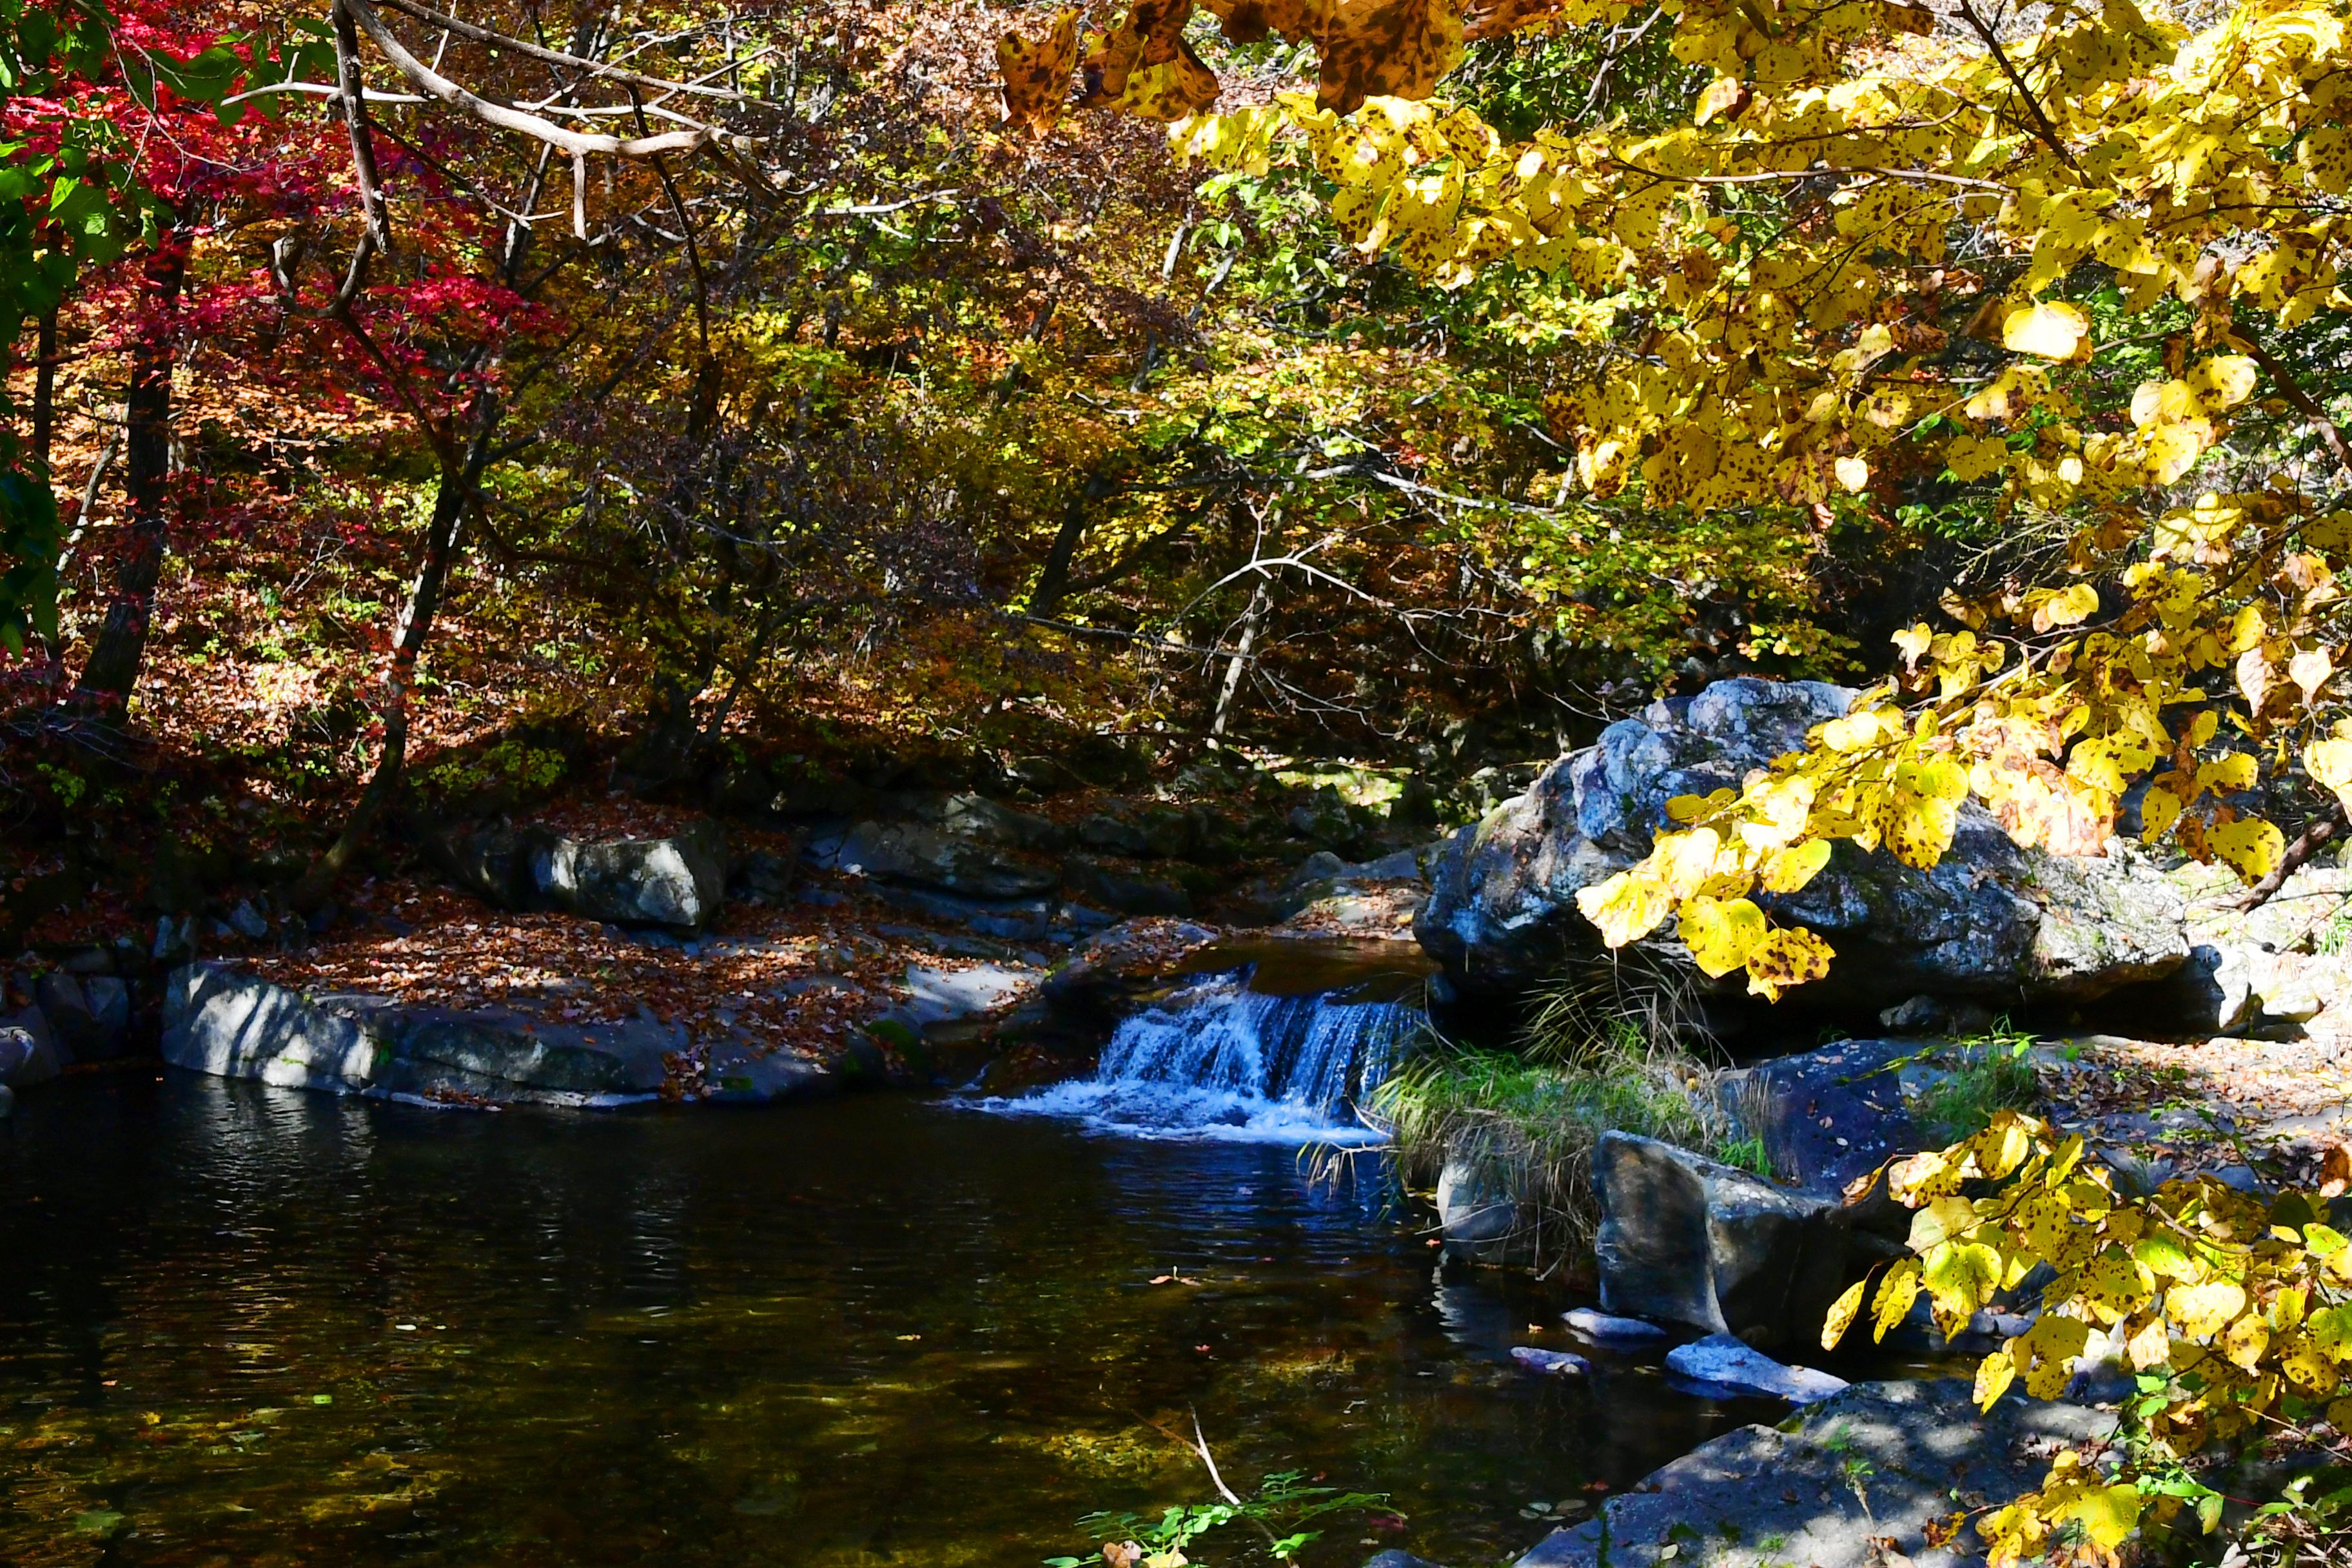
<point x="1845" y="1484"/>
<point x="229" y="1024"/>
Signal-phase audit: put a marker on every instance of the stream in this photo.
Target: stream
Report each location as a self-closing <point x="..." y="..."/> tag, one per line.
<point x="247" y="1325"/>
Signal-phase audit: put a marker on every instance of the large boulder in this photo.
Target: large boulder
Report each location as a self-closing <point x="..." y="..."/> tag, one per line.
<point x="1993" y="921"/>
<point x="678" y="881"/>
<point x="231" y="1024"/>
<point x="1685" y="1239"/>
<point x="1861" y="1480"/>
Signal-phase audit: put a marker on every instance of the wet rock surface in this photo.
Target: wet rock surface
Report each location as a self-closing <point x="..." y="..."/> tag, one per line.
<point x="1849" y="1483"/>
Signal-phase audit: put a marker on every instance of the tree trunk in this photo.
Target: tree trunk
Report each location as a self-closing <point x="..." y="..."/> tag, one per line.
<point x="108" y="678"/>
<point x="461" y="478"/>
<point x="1055" y="580"/>
<point x="1236" y="665"/>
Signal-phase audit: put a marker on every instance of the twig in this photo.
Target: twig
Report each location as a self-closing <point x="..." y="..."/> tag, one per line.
<point x="1201" y="1442"/>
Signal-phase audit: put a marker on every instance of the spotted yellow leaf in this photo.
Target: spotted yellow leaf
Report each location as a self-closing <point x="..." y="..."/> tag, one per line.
<point x="1785" y="958"/>
<point x="1720" y="933"/>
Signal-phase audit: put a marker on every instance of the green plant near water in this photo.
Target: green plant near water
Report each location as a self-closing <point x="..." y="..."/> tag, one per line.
<point x="1981" y="1076"/>
<point x="1279" y="1512"/>
<point x="1525" y="1123"/>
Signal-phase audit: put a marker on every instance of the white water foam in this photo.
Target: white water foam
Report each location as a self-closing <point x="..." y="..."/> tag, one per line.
<point x="1217" y="1060"/>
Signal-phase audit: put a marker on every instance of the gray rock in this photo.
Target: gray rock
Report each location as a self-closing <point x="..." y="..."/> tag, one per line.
<point x="1476" y="1213"/>
<point x="1722" y="1367"/>
<point x="90" y="1015"/>
<point x="232" y="1025"/>
<point x="1092" y="881"/>
<point x="916" y="855"/>
<point x="1993" y="922"/>
<point x="28" y="1051"/>
<point x="1686" y="1240"/>
<point x="1827" y="1115"/>
<point x="736" y="1072"/>
<point x="1551" y="1363"/>
<point x="1879" y="1462"/>
<point x="1603" y="1329"/>
<point x="1007" y="919"/>
<point x="247" y="922"/>
<point x="678" y="882"/>
<point x="943" y="995"/>
<point x="981" y="820"/>
<point x="1395" y="1558"/>
<point x="7" y="1101"/>
<point x="763" y="875"/>
<point x="1113" y="835"/>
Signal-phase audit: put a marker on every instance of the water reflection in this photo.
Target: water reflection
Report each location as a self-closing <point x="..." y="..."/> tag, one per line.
<point x="251" y="1325"/>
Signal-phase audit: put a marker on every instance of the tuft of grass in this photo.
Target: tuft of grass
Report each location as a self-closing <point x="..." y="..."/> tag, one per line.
<point x="1527" y="1121"/>
<point x="1986" y="1074"/>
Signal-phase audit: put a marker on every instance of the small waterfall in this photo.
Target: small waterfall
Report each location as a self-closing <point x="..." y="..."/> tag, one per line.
<point x="1218" y="1060"/>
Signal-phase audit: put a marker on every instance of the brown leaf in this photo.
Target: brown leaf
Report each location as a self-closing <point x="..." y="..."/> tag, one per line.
<point x="1037" y="74"/>
<point x="1395" y="48"/>
<point x="2335" y="1171"/>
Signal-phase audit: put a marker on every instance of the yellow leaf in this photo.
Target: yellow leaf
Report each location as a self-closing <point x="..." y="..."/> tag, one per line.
<point x="1785" y="958"/>
<point x="1626" y="907"/>
<point x="1720" y="934"/>
<point x="2070" y="607"/>
<point x="2045" y="1352"/>
<point x="2330" y="764"/>
<point x="1842" y="1315"/>
<point x="2052" y="330"/>
<point x="1897" y="1291"/>
<point x="2151" y="1347"/>
<point x="2159" y="808"/>
<point x="2199" y="1311"/>
<point x="1726" y="96"/>
<point x="1994" y="1374"/>
<point x="1788" y="870"/>
<point x="2249" y="846"/>
<point x="1852" y="473"/>
<point x="2246" y="1340"/>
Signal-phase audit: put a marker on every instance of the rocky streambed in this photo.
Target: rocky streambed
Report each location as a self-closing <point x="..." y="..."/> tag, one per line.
<point x="947" y="940"/>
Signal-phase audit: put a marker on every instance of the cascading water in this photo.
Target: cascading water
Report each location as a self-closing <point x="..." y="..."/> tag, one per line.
<point x="1219" y="1060"/>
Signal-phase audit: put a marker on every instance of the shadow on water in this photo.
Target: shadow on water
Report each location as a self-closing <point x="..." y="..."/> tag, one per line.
<point x="256" y="1326"/>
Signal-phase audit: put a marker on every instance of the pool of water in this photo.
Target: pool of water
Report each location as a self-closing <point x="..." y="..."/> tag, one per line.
<point x="252" y="1326"/>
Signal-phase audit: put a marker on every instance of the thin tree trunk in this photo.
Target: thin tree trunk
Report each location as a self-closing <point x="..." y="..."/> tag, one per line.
<point x="461" y="478"/>
<point x="1236" y="665"/>
<point x="108" y="678"/>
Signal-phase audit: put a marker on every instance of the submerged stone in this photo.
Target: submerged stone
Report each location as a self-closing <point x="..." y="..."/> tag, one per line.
<point x="1607" y="1329"/>
<point x="1552" y="1363"/>
<point x="1721" y="1365"/>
